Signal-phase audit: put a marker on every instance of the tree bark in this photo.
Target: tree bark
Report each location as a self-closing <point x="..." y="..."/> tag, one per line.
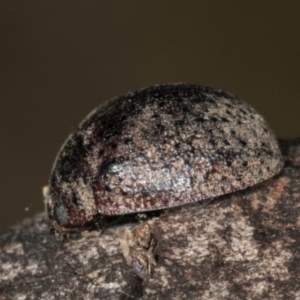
<point x="245" y="245"/>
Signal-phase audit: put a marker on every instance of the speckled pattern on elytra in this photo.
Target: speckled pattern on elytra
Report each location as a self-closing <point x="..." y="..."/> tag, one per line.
<point x="160" y="147"/>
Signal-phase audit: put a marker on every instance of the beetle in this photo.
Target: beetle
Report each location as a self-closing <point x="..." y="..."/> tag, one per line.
<point x="156" y="148"/>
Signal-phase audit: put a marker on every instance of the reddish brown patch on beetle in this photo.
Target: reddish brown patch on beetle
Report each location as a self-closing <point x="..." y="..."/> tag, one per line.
<point x="160" y="147"/>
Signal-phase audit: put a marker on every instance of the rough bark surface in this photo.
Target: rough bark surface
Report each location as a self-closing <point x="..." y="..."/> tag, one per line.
<point x="242" y="246"/>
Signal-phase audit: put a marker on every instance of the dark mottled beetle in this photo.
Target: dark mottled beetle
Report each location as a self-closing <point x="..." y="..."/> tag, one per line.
<point x="156" y="148"/>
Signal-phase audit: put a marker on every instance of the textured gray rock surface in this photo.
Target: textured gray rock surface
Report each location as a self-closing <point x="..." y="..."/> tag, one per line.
<point x="242" y="246"/>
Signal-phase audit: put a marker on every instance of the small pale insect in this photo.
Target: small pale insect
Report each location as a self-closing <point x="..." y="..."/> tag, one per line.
<point x="157" y="148"/>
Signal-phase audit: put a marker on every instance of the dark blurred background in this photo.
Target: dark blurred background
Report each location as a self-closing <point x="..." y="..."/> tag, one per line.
<point x="61" y="59"/>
